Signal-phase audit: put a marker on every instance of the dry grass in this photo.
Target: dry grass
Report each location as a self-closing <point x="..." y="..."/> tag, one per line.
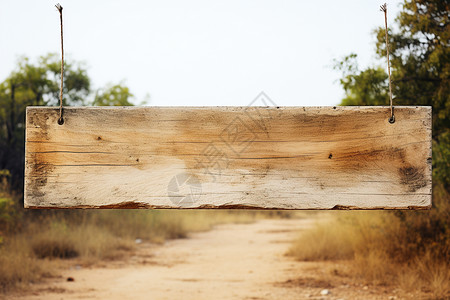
<point x="18" y="265"/>
<point x="157" y="226"/>
<point x="354" y="232"/>
<point x="433" y="276"/>
<point x="89" y="241"/>
<point x="94" y="235"/>
<point x="376" y="244"/>
<point x="323" y="242"/>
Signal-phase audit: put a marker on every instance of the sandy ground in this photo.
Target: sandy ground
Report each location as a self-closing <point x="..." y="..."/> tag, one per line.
<point x="232" y="261"/>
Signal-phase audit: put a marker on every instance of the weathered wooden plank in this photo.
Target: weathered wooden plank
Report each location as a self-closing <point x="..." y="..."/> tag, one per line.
<point x="228" y="157"/>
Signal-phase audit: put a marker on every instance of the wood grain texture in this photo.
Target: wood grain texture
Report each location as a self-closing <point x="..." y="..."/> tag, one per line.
<point x="228" y="157"/>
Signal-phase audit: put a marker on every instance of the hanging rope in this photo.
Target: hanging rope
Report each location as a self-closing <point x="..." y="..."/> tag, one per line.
<point x="61" y="120"/>
<point x="383" y="8"/>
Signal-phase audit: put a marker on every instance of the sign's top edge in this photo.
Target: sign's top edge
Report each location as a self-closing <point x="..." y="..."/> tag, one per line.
<point x="228" y="107"/>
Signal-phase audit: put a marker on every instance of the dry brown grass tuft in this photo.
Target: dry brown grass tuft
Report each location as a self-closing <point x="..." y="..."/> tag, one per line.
<point x="18" y="265"/>
<point x="434" y="276"/>
<point x="323" y="242"/>
<point x="379" y="247"/>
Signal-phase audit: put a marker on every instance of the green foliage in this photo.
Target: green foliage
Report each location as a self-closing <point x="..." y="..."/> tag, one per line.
<point x="8" y="212"/>
<point x="368" y="86"/>
<point x="113" y="95"/>
<point x="441" y="158"/>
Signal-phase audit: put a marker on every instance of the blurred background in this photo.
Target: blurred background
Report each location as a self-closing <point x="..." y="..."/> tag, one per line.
<point x="197" y="52"/>
<point x="200" y="52"/>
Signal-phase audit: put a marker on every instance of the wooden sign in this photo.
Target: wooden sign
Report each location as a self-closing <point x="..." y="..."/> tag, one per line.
<point x="228" y="157"/>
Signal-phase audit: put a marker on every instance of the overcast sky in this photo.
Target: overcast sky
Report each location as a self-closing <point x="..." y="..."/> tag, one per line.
<point x="201" y="52"/>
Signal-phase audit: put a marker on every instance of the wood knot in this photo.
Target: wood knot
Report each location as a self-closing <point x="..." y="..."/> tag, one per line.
<point x="412" y="178"/>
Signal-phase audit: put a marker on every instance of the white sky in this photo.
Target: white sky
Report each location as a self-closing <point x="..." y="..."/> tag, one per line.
<point x="200" y="52"/>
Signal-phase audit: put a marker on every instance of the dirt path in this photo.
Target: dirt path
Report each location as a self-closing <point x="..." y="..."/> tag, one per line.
<point x="233" y="261"/>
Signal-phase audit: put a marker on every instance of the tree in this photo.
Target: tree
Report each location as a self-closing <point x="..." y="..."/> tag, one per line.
<point x="113" y="95"/>
<point x="368" y="87"/>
